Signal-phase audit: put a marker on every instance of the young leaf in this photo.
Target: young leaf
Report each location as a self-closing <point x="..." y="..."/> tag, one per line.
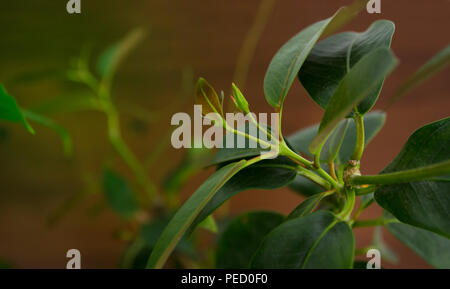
<point x="206" y="96"/>
<point x="277" y="173"/>
<point x="423" y="203"/>
<point x="187" y="213"/>
<point x="336" y="55"/>
<point x="241" y="102"/>
<point x="9" y="110"/>
<point x="287" y="61"/>
<point x="433" y="66"/>
<point x="433" y="248"/>
<point x="112" y="57"/>
<point x="118" y="194"/>
<point x="318" y="240"/>
<point x="45" y="121"/>
<point x="242" y="237"/>
<point x="355" y="85"/>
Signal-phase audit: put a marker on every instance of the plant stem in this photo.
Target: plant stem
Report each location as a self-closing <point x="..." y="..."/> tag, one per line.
<point x="359" y="147"/>
<point x="411" y="175"/>
<point x="332" y="170"/>
<point x="313" y="177"/>
<point x="373" y="222"/>
<point x="365" y="190"/>
<point x="349" y="205"/>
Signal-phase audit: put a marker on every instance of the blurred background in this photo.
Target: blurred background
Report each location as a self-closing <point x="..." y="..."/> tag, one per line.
<point x="50" y="203"/>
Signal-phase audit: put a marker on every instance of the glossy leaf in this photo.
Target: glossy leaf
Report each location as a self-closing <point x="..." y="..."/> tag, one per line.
<point x="423" y="203"/>
<point x="433" y="66"/>
<point x="356" y="85"/>
<point x="62" y="132"/>
<point x="112" y="57"/>
<point x="242" y="237"/>
<point x="118" y="194"/>
<point x="433" y="248"/>
<point x="287" y="61"/>
<point x="10" y="111"/>
<point x="335" y="56"/>
<point x="188" y="212"/>
<point x="308" y="205"/>
<point x="207" y="97"/>
<point x="277" y="173"/>
<point x="373" y="122"/>
<point x="317" y="240"/>
<point x="305" y="186"/>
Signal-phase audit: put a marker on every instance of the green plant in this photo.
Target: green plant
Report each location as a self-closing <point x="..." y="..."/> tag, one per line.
<point x="344" y="74"/>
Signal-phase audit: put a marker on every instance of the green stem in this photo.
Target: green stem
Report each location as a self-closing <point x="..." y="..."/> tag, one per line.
<point x="373" y="222"/>
<point x="359" y="147"/>
<point x="406" y="176"/>
<point x="348" y="206"/>
<point x="365" y="190"/>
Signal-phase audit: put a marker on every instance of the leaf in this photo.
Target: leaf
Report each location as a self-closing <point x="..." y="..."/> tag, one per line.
<point x="206" y="96"/>
<point x="209" y="224"/>
<point x="118" y="194"/>
<point x="373" y="122"/>
<point x="423" y="203"/>
<point x="356" y="84"/>
<point x="188" y="212"/>
<point x="9" y="110"/>
<point x="277" y="173"/>
<point x="287" y="61"/>
<point x="308" y="206"/>
<point x="386" y="252"/>
<point x="333" y="58"/>
<point x="136" y="254"/>
<point x="305" y="186"/>
<point x="433" y="248"/>
<point x="62" y="132"/>
<point x="242" y="237"/>
<point x="347" y="14"/>
<point x="318" y="240"/>
<point x="331" y="150"/>
<point x="433" y="66"/>
<point x="111" y="58"/>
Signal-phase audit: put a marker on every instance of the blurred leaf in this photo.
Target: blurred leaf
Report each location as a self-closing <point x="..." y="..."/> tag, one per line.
<point x="242" y="237"/>
<point x="209" y="224"/>
<point x="423" y="203"/>
<point x="315" y="241"/>
<point x="206" y="96"/>
<point x="387" y="253"/>
<point x="433" y="66"/>
<point x="373" y="122"/>
<point x="337" y="55"/>
<point x="287" y="61"/>
<point x="277" y="173"/>
<point x="111" y="58"/>
<point x="188" y="212"/>
<point x="45" y="121"/>
<point x="9" y="110"/>
<point x="68" y="103"/>
<point x="5" y="264"/>
<point x="118" y="194"/>
<point x="347" y="14"/>
<point x="356" y="84"/>
<point x="433" y="248"/>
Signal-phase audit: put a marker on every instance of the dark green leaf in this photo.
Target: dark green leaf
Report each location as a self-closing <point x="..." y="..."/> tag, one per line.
<point x="9" y="110"/>
<point x="188" y="212"/>
<point x="317" y="240"/>
<point x="331" y="59"/>
<point x="432" y="247"/>
<point x="307" y="206"/>
<point x="356" y="84"/>
<point x="287" y="61"/>
<point x="119" y="195"/>
<point x="424" y="203"/>
<point x="276" y="173"/>
<point x="242" y="237"/>
<point x="305" y="186"/>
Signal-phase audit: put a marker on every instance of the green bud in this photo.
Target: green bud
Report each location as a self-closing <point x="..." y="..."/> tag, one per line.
<point x="239" y="99"/>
